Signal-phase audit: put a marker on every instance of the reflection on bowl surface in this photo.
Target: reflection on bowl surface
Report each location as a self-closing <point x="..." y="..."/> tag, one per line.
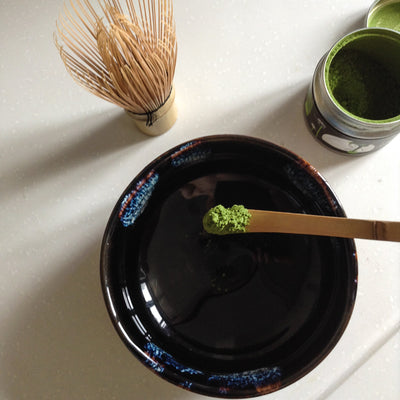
<point x="229" y="316"/>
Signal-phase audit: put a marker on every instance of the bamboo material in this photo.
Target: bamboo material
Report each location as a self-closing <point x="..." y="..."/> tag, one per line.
<point x="281" y="222"/>
<point x="122" y="54"/>
<point x="159" y="121"/>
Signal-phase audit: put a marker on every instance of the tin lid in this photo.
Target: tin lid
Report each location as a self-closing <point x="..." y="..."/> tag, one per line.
<point x="384" y="14"/>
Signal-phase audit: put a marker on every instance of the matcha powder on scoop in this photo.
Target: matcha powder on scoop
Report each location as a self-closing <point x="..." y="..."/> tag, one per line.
<point x="223" y="221"/>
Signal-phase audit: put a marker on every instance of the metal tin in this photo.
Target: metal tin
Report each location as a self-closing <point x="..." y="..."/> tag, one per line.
<point x="329" y="120"/>
<point x="384" y="14"/>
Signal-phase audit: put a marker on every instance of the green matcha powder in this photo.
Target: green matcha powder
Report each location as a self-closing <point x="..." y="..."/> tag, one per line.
<point x="363" y="86"/>
<point x="223" y="221"/>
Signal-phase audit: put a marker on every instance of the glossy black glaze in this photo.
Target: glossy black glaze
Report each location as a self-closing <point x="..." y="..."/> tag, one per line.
<point x="229" y="316"/>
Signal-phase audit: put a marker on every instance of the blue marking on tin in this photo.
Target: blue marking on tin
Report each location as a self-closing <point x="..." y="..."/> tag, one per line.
<point x="256" y="378"/>
<point x="166" y="359"/>
<point x="134" y="203"/>
<point x="189" y="152"/>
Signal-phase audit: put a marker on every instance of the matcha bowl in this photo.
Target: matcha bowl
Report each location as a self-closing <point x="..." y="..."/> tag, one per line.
<point x="228" y="316"/>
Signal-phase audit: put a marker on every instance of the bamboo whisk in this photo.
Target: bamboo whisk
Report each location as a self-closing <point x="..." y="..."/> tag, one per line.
<point x="124" y="55"/>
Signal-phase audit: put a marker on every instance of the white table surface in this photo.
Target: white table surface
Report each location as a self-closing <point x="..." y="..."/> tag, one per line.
<point x="66" y="156"/>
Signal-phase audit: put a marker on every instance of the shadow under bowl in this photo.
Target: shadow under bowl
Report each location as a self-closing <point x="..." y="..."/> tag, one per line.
<point x="226" y="316"/>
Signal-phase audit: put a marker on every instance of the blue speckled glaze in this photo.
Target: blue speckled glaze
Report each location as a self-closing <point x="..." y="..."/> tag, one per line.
<point x="189" y="153"/>
<point x="311" y="184"/>
<point x="186" y="385"/>
<point x="241" y="380"/>
<point x="248" y="379"/>
<point x="165" y="358"/>
<point x="133" y="203"/>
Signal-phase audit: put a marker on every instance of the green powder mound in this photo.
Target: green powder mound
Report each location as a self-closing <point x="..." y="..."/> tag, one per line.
<point x="363" y="86"/>
<point x="223" y="221"/>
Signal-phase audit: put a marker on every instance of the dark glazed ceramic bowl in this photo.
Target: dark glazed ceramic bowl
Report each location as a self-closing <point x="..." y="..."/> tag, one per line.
<point x="226" y="316"/>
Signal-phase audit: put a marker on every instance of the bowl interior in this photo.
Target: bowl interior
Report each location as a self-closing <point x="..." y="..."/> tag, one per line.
<point x="229" y="316"/>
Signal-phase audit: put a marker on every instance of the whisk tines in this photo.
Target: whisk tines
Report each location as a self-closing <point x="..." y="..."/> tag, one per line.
<point x="123" y="53"/>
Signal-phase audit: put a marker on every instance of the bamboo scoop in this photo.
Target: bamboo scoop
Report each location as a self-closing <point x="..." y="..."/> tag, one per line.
<point x="238" y="219"/>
